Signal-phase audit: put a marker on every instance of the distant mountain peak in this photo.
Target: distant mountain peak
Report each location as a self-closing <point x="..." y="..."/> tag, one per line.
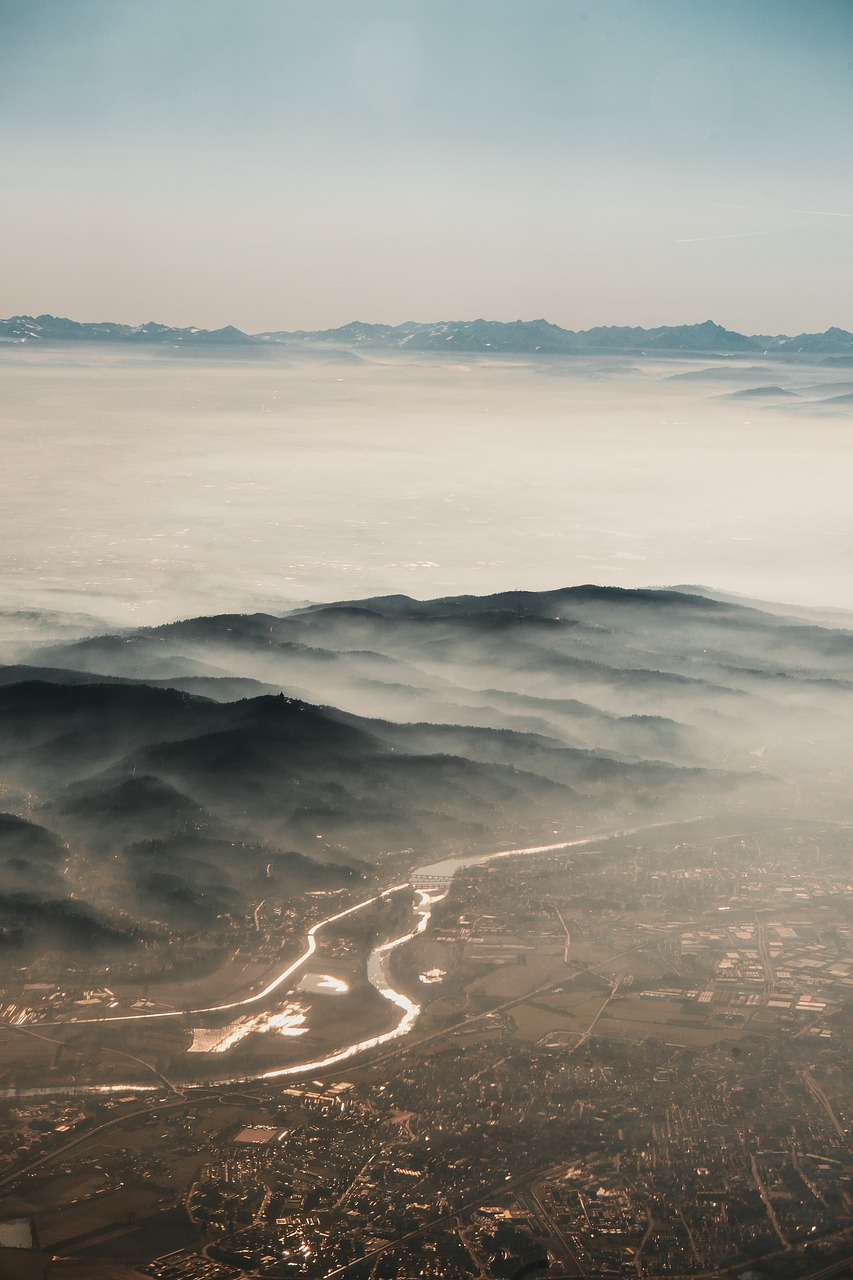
<point x="487" y="337"/>
<point x="49" y="328"/>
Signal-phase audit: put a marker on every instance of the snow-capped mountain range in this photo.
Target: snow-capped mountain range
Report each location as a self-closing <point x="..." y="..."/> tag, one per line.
<point x="484" y="336"/>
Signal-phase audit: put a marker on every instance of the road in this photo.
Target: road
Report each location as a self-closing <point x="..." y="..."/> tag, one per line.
<point x="91" y="1133"/>
<point x="568" y="935"/>
<point x="818" y="1093"/>
<point x="278" y="981"/>
<point x="646" y="1237"/>
<point x="764" y="954"/>
<point x="552" y="1228"/>
<point x="768" y="1203"/>
<point x="507" y="1183"/>
<point x="410" y="1011"/>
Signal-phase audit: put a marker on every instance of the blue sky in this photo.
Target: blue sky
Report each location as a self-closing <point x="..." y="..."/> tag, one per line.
<point x="296" y="165"/>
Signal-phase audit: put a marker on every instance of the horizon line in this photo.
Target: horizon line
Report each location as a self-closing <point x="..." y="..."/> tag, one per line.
<point x="23" y="317"/>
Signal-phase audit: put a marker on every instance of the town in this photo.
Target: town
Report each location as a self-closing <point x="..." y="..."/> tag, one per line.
<point x="632" y="1060"/>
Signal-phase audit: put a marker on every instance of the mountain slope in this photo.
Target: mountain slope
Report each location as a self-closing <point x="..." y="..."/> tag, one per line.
<point x="399" y="724"/>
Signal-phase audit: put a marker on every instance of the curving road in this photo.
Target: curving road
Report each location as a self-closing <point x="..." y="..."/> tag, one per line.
<point x="425" y="899"/>
<point x="310" y="948"/>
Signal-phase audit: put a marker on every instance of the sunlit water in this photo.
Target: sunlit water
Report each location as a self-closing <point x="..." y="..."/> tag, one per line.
<point x="289" y="1019"/>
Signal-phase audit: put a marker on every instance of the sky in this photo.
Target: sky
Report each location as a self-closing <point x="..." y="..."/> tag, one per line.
<point x="277" y="164"/>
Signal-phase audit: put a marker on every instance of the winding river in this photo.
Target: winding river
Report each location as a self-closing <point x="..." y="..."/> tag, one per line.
<point x="425" y="898"/>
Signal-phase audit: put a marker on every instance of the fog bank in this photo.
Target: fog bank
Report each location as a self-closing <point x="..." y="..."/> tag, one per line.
<point x="141" y="487"/>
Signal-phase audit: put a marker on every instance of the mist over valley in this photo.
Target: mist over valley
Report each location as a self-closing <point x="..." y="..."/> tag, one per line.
<point x="360" y="791"/>
<point x="179" y="773"/>
<point x="154" y="484"/>
<point x="160" y="779"/>
<point x="426" y="644"/>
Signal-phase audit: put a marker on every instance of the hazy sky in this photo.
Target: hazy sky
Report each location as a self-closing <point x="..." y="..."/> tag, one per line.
<point x="301" y="163"/>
